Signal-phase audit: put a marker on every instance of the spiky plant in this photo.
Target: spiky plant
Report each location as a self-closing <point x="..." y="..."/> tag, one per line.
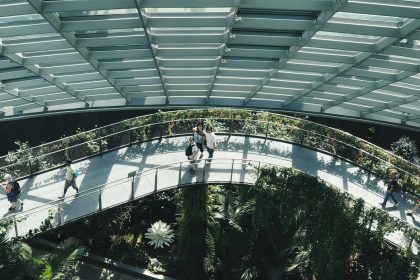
<point x="160" y="234"/>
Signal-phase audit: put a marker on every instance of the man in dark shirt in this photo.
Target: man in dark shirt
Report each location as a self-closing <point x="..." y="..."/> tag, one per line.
<point x="392" y="185"/>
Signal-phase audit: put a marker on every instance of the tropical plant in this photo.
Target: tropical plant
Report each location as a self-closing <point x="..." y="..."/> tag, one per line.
<point x="18" y="262"/>
<point x="16" y="259"/>
<point x="406" y="148"/>
<point x="60" y="264"/>
<point x="192" y="222"/>
<point x="160" y="234"/>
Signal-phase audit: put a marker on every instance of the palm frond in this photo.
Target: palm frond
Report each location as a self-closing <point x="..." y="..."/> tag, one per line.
<point x="249" y="274"/>
<point x="65" y="256"/>
<point x="211" y="252"/>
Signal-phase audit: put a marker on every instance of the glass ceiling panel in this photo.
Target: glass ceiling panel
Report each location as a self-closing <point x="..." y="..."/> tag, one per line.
<point x="347" y="36"/>
<point x="13" y="39"/>
<point x="64" y="15"/>
<point x="390" y="93"/>
<point x="186" y="10"/>
<point x="162" y="31"/>
<point x="329" y="51"/>
<point x="380" y="20"/>
<point x="397" y="58"/>
<point x="242" y="53"/>
<point x="20" y="18"/>
<point x="316" y="63"/>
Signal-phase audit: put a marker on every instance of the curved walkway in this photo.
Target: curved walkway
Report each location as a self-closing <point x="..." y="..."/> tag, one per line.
<point x="112" y="169"/>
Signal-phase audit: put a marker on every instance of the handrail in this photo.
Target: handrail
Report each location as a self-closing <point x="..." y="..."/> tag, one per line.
<point x="177" y="167"/>
<point x="200" y="110"/>
<point x="98" y="138"/>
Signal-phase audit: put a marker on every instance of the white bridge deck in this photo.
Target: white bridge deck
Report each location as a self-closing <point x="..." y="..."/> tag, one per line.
<point x="40" y="192"/>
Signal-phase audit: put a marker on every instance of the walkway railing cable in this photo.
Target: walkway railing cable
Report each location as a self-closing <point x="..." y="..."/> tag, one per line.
<point x="141" y="184"/>
<point x="95" y="142"/>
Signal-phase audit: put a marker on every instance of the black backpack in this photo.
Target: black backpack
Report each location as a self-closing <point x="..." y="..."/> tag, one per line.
<point x="188" y="150"/>
<point x="16" y="188"/>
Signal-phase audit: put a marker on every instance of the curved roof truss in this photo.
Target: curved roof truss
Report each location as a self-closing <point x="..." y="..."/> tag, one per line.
<point x="352" y="58"/>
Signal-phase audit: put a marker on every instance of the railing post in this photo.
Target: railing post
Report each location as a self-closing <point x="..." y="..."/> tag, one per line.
<point x="30" y="167"/>
<point x="179" y="174"/>
<point x="101" y="149"/>
<point x="161" y="131"/>
<point x="258" y="171"/>
<point x="15" y="224"/>
<point x="370" y="166"/>
<point x="60" y="220"/>
<point x="335" y="147"/>
<point x="231" y="171"/>
<point x="301" y="138"/>
<point x="68" y="152"/>
<point x="156" y="179"/>
<point x="132" y="189"/>
<point x="266" y="132"/>
<point x="410" y="243"/>
<point x="100" y="198"/>
<point x="204" y="170"/>
<point x="130" y="137"/>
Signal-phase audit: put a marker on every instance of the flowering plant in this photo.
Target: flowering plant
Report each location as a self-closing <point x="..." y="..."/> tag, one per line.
<point x="160" y="234"/>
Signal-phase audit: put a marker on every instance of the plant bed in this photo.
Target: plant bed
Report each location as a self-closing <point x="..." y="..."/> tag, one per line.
<point x="288" y="226"/>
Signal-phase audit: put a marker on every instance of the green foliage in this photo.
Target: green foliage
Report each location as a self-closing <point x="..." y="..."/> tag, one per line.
<point x="280" y="127"/>
<point x="46" y="224"/>
<point x="18" y="160"/>
<point x="60" y="264"/>
<point x="193" y="220"/>
<point x="18" y="262"/>
<point x="288" y="224"/>
<point x="406" y="148"/>
<point x="15" y="257"/>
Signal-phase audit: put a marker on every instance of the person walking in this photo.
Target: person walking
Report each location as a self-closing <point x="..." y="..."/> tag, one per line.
<point x="211" y="142"/>
<point x="192" y="153"/>
<point x="391" y="187"/>
<point x="12" y="189"/>
<point x="199" y="138"/>
<point x="70" y="178"/>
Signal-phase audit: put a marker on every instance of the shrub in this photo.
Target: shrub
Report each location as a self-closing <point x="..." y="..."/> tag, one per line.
<point x="405" y="148"/>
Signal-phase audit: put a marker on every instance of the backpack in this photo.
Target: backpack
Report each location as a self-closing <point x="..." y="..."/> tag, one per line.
<point x="16" y="188"/>
<point x="397" y="188"/>
<point x="188" y="150"/>
<point x="76" y="173"/>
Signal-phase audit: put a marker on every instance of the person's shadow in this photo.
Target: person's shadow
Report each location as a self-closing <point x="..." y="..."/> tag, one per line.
<point x="415" y="222"/>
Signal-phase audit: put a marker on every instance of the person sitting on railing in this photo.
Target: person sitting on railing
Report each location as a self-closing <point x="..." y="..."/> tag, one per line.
<point x="199" y="137"/>
<point x="70" y="178"/>
<point x="412" y="212"/>
<point x="12" y="189"/>
<point x="192" y="153"/>
<point x="391" y="187"/>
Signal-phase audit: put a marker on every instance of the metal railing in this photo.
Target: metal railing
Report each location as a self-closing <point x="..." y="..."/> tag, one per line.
<point x="114" y="127"/>
<point x="98" y="141"/>
<point x="141" y="184"/>
<point x="138" y="185"/>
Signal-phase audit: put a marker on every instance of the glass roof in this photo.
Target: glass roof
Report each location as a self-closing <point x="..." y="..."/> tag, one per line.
<point x="350" y="58"/>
